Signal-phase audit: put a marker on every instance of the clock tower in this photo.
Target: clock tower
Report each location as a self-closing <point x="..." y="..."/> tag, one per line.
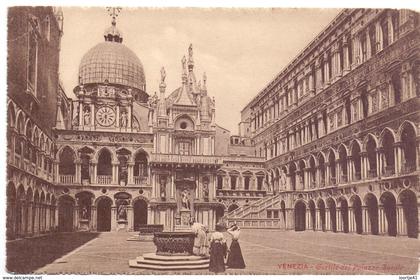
<point x="111" y="92"/>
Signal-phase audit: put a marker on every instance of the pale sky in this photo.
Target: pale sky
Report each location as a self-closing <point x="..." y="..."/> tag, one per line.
<point x="241" y="50"/>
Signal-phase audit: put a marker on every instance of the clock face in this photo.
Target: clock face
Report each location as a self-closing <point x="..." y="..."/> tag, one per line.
<point x="105" y="116"/>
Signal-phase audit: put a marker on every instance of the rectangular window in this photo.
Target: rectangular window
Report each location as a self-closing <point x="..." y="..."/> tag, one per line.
<point x="259" y="183"/>
<point x="184" y="148"/>
<point x="233" y="182"/>
<point x="246" y="183"/>
<point x="268" y="214"/>
<point x="219" y="182"/>
<point x="276" y="214"/>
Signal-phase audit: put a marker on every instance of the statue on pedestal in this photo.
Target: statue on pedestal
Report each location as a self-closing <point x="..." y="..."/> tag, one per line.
<point x="124" y="119"/>
<point x="185" y="200"/>
<point x="205" y="190"/>
<point x="163" y="188"/>
<point x="86" y="117"/>
<point x="122" y="211"/>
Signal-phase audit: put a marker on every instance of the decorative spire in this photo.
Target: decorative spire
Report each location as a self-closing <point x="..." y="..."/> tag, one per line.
<point x="184" y="69"/>
<point x="190" y="58"/>
<point x="204" y="81"/>
<point x="112" y="34"/>
<point x="162" y="87"/>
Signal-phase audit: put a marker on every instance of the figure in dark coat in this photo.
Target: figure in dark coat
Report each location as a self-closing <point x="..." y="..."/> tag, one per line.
<point x="218" y="250"/>
<point x="235" y="259"/>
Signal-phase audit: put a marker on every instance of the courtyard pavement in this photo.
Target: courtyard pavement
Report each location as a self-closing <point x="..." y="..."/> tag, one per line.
<point x="265" y="252"/>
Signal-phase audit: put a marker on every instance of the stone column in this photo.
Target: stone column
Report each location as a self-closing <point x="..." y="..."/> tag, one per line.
<point x="346" y="60"/>
<point x="113" y="218"/>
<point x="117" y="121"/>
<point x="130" y="173"/>
<point x="149" y="216"/>
<point x="93" y="218"/>
<point x="368" y="46"/>
<point x="401" y="221"/>
<point x="93" y="173"/>
<point x="308" y="219"/>
<point x="398" y="157"/>
<point x="378" y="162"/>
<point x="327" y="220"/>
<point x="92" y="116"/>
<point x="383" y="225"/>
<point x="318" y="75"/>
<point x="30" y="221"/>
<point x="352" y="227"/>
<point x="318" y="223"/>
<point x="290" y="219"/>
<point x="115" y="173"/>
<point x="130" y="218"/>
<point x="339" y="222"/>
<point x="78" y="175"/>
<point x="76" y="217"/>
<point x="326" y="69"/>
<point x="366" y="220"/>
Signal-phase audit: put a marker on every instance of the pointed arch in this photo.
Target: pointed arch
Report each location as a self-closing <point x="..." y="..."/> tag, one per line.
<point x="11" y="115"/>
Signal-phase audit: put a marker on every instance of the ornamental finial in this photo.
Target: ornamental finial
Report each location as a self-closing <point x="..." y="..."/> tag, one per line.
<point x="113" y="12"/>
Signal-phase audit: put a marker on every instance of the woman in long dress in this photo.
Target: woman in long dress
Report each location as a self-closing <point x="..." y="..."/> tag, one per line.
<point x="218" y="250"/>
<point x="235" y="259"/>
<point x="201" y="246"/>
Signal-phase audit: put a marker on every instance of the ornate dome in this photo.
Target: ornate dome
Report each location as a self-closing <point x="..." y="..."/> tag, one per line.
<point x="112" y="62"/>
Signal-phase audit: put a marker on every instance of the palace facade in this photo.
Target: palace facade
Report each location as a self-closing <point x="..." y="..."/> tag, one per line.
<point x="331" y="144"/>
<point x="339" y="129"/>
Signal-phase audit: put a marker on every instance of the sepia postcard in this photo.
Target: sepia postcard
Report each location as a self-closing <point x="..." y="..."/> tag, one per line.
<point x="211" y="141"/>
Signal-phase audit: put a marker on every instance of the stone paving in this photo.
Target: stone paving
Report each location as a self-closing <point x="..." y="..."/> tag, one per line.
<point x="265" y="252"/>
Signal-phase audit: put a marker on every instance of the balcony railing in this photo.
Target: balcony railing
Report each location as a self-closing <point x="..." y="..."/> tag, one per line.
<point x="256" y="222"/>
<point x="372" y="174"/>
<point x="190" y="159"/>
<point x="140" y="180"/>
<point x="407" y="168"/>
<point x="247" y="193"/>
<point x="389" y="170"/>
<point x="104" y="179"/>
<point x="66" y="179"/>
<point x="313" y="185"/>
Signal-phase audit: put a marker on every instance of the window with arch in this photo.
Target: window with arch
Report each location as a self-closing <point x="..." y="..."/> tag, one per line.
<point x="140" y="165"/>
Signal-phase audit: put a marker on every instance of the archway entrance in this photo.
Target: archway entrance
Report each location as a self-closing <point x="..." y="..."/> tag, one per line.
<point x="390" y="209"/>
<point x="409" y="204"/>
<point x="321" y="206"/>
<point x="372" y="207"/>
<point x="104" y="214"/>
<point x="357" y="212"/>
<point x="333" y="215"/>
<point x="140" y="213"/>
<point x="65" y="214"/>
<point x="344" y="210"/>
<point x="300" y="215"/>
<point x="313" y="214"/>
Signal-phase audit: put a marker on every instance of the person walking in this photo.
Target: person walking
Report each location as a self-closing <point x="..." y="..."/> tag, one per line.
<point x="218" y="250"/>
<point x="201" y="246"/>
<point x="235" y="259"/>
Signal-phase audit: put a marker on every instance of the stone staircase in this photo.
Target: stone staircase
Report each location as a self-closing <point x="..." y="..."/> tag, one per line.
<point x="159" y="262"/>
<point x="254" y="215"/>
<point x="255" y="207"/>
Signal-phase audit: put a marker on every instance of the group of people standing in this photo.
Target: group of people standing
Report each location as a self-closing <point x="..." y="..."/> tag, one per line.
<point x="214" y="245"/>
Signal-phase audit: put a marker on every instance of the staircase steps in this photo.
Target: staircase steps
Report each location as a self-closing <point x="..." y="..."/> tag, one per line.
<point x="159" y="262"/>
